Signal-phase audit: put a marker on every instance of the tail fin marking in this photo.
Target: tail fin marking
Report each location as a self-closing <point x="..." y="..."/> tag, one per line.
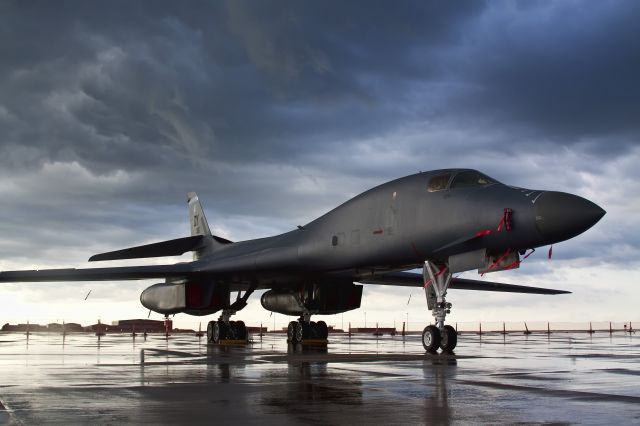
<point x="197" y="219"/>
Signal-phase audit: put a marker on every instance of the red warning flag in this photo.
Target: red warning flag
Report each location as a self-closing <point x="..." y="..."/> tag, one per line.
<point x="440" y="272"/>
<point x="505" y="223"/>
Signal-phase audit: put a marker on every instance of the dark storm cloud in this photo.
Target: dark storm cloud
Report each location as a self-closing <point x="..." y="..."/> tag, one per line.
<point x="277" y="111"/>
<point x="216" y="80"/>
<point x="567" y="71"/>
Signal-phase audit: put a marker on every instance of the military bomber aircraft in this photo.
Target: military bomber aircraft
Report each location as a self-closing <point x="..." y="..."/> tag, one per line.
<point x="443" y="221"/>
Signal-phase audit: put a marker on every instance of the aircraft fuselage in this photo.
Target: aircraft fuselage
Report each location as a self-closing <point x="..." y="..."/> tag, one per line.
<point x="399" y="224"/>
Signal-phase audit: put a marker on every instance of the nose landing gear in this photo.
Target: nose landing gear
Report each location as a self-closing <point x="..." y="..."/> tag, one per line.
<point x="437" y="280"/>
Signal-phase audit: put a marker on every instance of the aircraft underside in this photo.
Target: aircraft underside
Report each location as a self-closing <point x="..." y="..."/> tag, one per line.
<point x="330" y="296"/>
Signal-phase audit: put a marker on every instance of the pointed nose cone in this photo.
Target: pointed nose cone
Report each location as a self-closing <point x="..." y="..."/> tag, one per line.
<point x="560" y="216"/>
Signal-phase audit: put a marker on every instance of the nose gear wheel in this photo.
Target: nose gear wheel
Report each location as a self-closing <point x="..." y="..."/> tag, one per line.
<point x="431" y="338"/>
<point x="448" y="339"/>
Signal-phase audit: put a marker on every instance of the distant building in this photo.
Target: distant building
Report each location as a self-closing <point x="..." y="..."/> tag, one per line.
<point x="54" y="326"/>
<point x="98" y="328"/>
<point x="378" y="331"/>
<point x="69" y="327"/>
<point x="24" y="327"/>
<point x="72" y="327"/>
<point x="121" y="326"/>
<point x="9" y="327"/>
<point x="139" y="326"/>
<point x="184" y="330"/>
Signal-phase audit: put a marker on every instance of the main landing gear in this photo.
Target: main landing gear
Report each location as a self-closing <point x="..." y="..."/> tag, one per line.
<point x="437" y="281"/>
<point x="225" y="331"/>
<point x="305" y="330"/>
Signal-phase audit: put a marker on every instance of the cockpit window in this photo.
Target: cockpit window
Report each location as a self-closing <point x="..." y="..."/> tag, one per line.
<point x="439" y="182"/>
<point x="471" y="178"/>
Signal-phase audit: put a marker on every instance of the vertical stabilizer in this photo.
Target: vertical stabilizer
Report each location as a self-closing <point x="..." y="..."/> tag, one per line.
<point x="199" y="226"/>
<point x="198" y="221"/>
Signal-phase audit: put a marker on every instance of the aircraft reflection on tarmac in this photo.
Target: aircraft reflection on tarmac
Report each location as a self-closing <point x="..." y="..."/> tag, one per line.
<point x="310" y="380"/>
<point x="523" y="379"/>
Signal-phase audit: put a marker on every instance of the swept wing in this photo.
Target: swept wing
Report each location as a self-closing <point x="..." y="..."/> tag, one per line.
<point x="180" y="270"/>
<point x="411" y="279"/>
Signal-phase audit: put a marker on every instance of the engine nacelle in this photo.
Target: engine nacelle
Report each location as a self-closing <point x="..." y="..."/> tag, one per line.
<point x="282" y="302"/>
<point x="323" y="300"/>
<point x="184" y="296"/>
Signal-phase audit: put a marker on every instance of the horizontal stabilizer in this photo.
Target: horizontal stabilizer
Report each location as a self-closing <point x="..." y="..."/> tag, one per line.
<point x="165" y="248"/>
<point x="410" y="279"/>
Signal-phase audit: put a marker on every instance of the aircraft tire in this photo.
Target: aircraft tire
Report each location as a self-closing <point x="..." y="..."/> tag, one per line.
<point x="322" y="330"/>
<point x="210" y="331"/>
<point x="215" y="331"/>
<point x="431" y="338"/>
<point x="449" y="339"/>
<point x="226" y="332"/>
<point x="241" y="330"/>
<point x="232" y="330"/>
<point x="308" y="330"/>
<point x="291" y="332"/>
<point x="299" y="331"/>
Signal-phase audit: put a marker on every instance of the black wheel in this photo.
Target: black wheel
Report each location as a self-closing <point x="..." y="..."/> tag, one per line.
<point x="312" y="332"/>
<point x="291" y="332"/>
<point x="431" y="338"/>
<point x="299" y="331"/>
<point x="308" y="330"/>
<point x="232" y="330"/>
<point x="449" y="339"/>
<point x="241" y="330"/>
<point x="209" y="331"/>
<point x="224" y="330"/>
<point x="323" y="330"/>
<point x="215" y="331"/>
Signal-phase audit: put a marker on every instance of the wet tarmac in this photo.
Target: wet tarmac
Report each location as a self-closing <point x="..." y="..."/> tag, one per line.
<point x="561" y="378"/>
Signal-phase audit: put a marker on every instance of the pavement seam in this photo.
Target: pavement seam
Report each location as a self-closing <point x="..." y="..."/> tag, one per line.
<point x="6" y="408"/>
<point x="558" y="392"/>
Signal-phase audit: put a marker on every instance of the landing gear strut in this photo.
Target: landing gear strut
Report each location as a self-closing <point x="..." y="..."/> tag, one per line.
<point x="437" y="280"/>
<point x="224" y="330"/>
<point x="304" y="330"/>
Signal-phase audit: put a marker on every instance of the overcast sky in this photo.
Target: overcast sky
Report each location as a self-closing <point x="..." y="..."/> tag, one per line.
<point x="276" y="112"/>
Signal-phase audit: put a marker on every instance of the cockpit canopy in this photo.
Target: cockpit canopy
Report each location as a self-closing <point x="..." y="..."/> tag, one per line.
<point x="459" y="179"/>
